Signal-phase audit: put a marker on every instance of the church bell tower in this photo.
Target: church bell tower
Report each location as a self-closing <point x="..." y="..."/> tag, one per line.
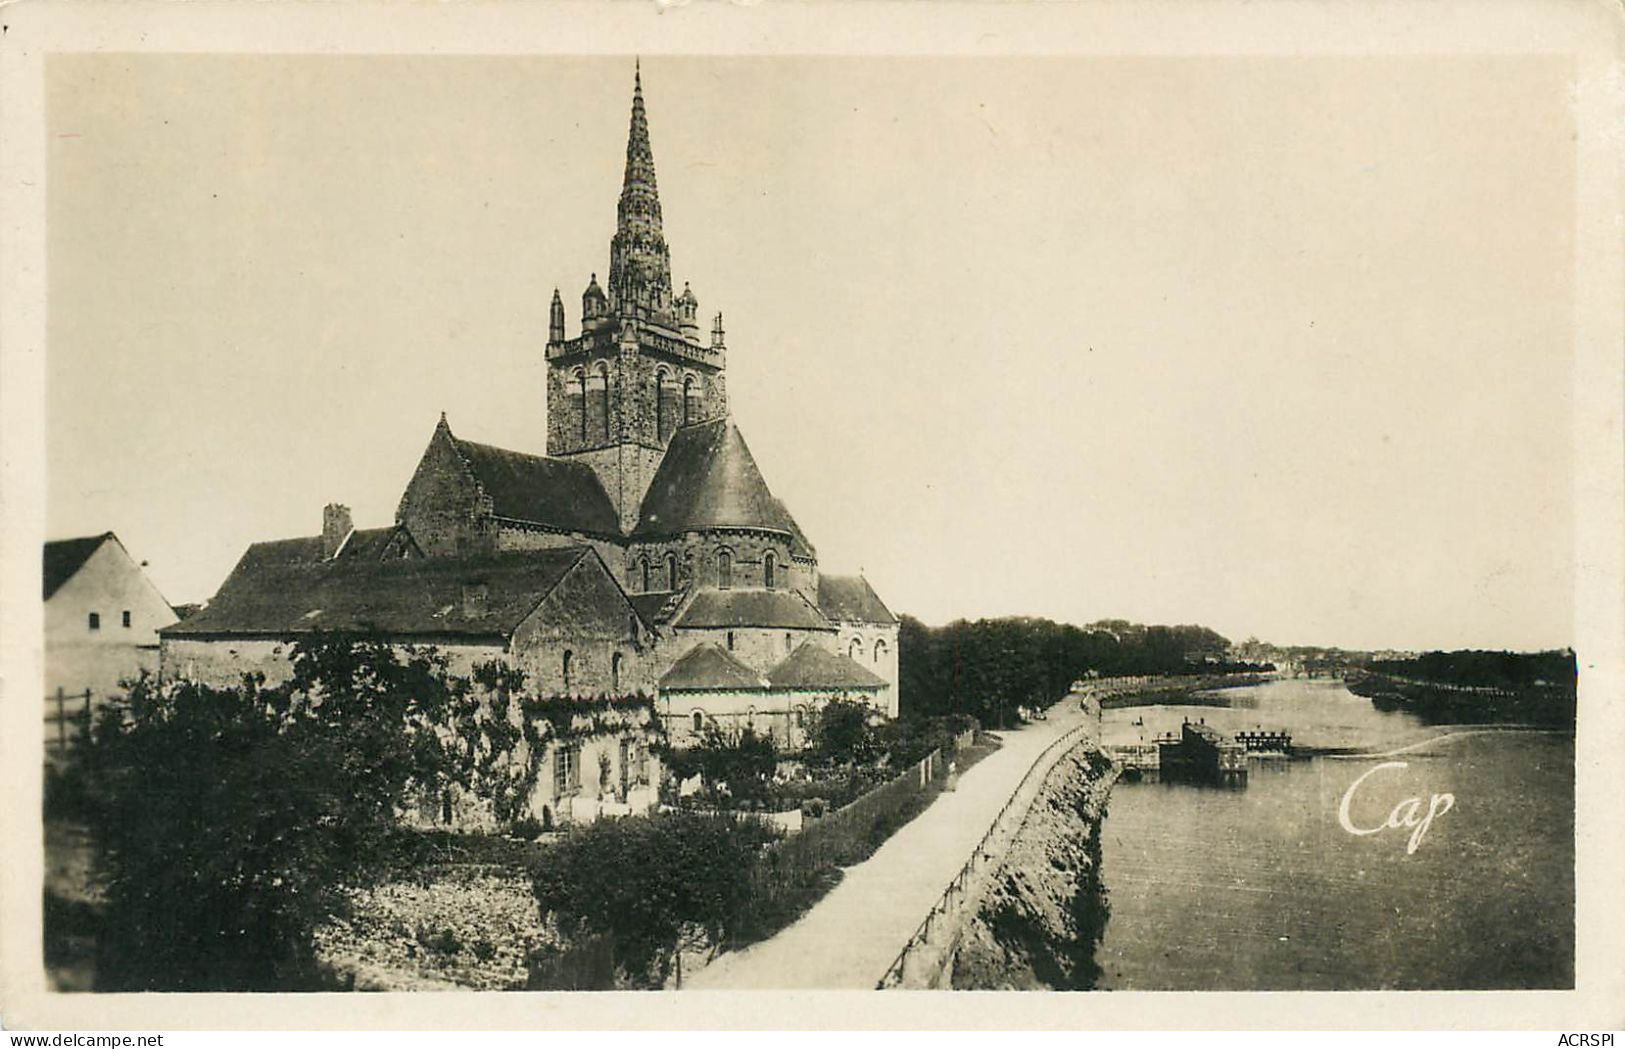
<point x="638" y="370"/>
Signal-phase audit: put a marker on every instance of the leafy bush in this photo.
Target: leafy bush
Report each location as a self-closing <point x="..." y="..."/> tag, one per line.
<point x="643" y="882"/>
<point x="228" y="819"/>
<point x="839" y="733"/>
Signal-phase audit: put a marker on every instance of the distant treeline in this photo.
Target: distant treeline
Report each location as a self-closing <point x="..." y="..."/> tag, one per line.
<point x="1479" y="669"/>
<point x="990" y="667"/>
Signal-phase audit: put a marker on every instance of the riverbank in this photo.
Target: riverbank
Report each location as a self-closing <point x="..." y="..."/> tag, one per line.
<point x="1038" y="925"/>
<point x="1195" y="690"/>
<point x="1550" y="706"/>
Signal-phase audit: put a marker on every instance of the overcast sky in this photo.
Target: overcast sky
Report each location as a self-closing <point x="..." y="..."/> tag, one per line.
<point x="1279" y="346"/>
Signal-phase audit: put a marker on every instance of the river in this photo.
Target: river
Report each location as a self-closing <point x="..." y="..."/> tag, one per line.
<point x="1262" y="887"/>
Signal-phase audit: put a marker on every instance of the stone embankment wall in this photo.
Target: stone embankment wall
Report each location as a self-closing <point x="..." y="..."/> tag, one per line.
<point x="1044" y="909"/>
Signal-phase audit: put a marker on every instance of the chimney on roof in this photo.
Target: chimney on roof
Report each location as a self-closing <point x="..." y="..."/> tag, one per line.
<point x="336" y="527"/>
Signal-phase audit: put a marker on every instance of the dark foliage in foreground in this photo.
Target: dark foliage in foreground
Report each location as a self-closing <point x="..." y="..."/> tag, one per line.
<point x="647" y="884"/>
<point x="228" y="818"/>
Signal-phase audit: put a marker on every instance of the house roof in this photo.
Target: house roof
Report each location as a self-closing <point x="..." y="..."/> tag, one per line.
<point x="709" y="667"/>
<point x="708" y="479"/>
<point x="810" y="666"/>
<point x="751" y="608"/>
<point x="64" y="557"/>
<point x="484" y="597"/>
<point x="555" y="493"/>
<point x="850" y="599"/>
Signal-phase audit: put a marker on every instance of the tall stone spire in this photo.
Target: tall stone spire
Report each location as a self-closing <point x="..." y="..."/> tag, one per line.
<point x="639" y="262"/>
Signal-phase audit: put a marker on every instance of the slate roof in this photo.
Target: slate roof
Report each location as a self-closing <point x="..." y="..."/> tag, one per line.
<point x="363" y="544"/>
<point x="810" y="666"/>
<point x="538" y="490"/>
<point x="484" y="597"/>
<point x="656" y="607"/>
<point x="752" y="608"/>
<point x="64" y="557"/>
<point x="709" y="667"/>
<point x="708" y="479"/>
<point x="850" y="599"/>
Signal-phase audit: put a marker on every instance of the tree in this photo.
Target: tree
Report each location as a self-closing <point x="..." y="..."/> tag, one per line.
<point x="839" y="732"/>
<point x="229" y="818"/>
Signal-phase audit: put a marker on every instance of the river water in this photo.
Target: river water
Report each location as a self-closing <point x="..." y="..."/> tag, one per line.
<point x="1262" y="888"/>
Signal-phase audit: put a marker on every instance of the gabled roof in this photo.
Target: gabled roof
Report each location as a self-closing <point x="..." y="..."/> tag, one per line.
<point x="810" y="666"/>
<point x="64" y="557"/>
<point x="363" y="544"/>
<point x="708" y="479"/>
<point x="484" y="597"/>
<point x="752" y="608"/>
<point x="709" y="667"/>
<point x="850" y="599"/>
<point x="554" y="493"/>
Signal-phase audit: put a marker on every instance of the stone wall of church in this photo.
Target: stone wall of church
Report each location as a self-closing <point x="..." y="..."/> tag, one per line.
<point x="874" y="647"/>
<point x="443" y="507"/>
<point x="697" y="562"/>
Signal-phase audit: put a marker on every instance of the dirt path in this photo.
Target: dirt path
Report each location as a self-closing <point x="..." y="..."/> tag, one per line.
<point x="851" y="936"/>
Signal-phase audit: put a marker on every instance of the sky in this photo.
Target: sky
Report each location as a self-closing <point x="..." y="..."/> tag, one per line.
<point x="1281" y="346"/>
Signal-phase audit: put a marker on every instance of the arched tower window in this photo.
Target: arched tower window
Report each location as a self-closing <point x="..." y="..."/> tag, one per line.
<point x="603" y="377"/>
<point x="643" y="571"/>
<point x="671" y="571"/>
<point x="855" y="649"/>
<point x="725" y="570"/>
<point x="661" y="422"/>
<point x="615" y="672"/>
<point x="880" y="648"/>
<point x="569" y="670"/>
<point x="688" y="398"/>
<point x="579" y="396"/>
<point x="770" y="565"/>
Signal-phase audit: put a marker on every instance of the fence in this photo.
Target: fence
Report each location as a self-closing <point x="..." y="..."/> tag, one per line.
<point x="67" y="722"/>
<point x="944" y="917"/>
<point x="794" y="872"/>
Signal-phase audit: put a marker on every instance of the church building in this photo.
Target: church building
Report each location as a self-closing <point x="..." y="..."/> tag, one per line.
<point x="644" y="552"/>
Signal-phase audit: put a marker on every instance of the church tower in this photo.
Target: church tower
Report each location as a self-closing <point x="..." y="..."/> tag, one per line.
<point x="638" y="370"/>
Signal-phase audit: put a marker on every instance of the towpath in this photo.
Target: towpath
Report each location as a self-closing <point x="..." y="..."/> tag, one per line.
<point x="850" y="937"/>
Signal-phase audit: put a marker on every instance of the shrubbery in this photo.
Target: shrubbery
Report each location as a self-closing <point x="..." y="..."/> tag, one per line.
<point x="645" y="883"/>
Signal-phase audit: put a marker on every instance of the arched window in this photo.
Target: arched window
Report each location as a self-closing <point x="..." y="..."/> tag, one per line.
<point x="688" y="394"/>
<point x="569" y="658"/>
<point x="615" y="673"/>
<point x="671" y="571"/>
<point x="660" y="405"/>
<point x="699" y="721"/>
<point x="725" y="570"/>
<point x="750" y="717"/>
<point x="788" y="643"/>
<point x="730" y="640"/>
<point x="880" y="648"/>
<point x="603" y="377"/>
<point x="855" y="649"/>
<point x="643" y="571"/>
<point x="579" y="395"/>
<point x="770" y="565"/>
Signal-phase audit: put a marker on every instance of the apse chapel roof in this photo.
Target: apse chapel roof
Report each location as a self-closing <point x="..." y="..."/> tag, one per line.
<point x="709" y="667"/>
<point x="274" y="592"/>
<point x="785" y="609"/>
<point x="810" y="666"/>
<point x="850" y="599"/>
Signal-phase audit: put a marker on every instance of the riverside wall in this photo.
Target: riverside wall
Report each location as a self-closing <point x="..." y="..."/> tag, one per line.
<point x="1033" y="822"/>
